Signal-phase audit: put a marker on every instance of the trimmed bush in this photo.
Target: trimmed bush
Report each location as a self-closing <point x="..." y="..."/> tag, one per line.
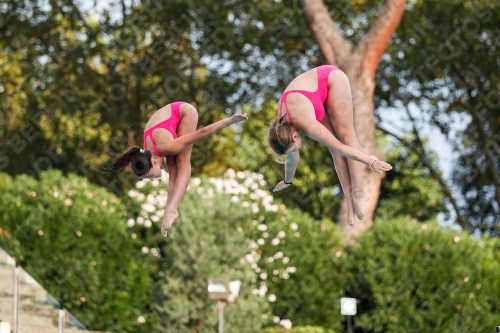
<point x="298" y="329"/>
<point x="72" y="237"/>
<point x="417" y="277"/>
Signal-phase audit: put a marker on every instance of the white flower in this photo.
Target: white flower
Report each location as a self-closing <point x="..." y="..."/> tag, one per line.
<point x="291" y="269"/>
<point x="140" y="220"/>
<point x="141" y="320"/>
<point x="140" y="183"/>
<point x="144" y="250"/>
<point x="148" y="224"/>
<point x="255" y="208"/>
<point x="260" y="241"/>
<point x="250" y="258"/>
<point x="161" y="199"/>
<point x="235" y="198"/>
<point x="294" y="226"/>
<point x="263" y="276"/>
<point x="148" y="207"/>
<point x="286" y="260"/>
<point x="155" y="182"/>
<point x="281" y="234"/>
<point x="278" y="255"/>
<point x="286" y="323"/>
<point x="196" y="181"/>
<point x="270" y="259"/>
<point x="164" y="177"/>
<point x="245" y="204"/>
<point x="231" y="173"/>
<point x="130" y="223"/>
<point x="275" y="241"/>
<point x="253" y="245"/>
<point x="248" y="182"/>
<point x="133" y="193"/>
<point x="272" y="298"/>
<point x="240" y="175"/>
<point x="262" y="227"/>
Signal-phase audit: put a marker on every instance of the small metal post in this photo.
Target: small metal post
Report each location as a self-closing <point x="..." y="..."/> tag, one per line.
<point x="349" y="324"/>
<point x="15" y="312"/>
<point x="220" y="306"/>
<point x="60" y="326"/>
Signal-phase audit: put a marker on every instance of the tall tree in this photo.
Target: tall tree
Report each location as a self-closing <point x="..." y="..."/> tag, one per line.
<point x="443" y="67"/>
<point x="360" y="64"/>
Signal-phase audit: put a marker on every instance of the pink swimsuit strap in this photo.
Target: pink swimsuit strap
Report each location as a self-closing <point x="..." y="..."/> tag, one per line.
<point x="317" y="97"/>
<point x="169" y="124"/>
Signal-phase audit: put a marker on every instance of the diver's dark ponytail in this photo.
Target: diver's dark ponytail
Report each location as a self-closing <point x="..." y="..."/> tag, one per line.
<point x="139" y="159"/>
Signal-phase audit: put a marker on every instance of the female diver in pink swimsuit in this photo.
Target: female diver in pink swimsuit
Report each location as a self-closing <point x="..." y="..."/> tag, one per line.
<point x="168" y="140"/>
<point x="303" y="101"/>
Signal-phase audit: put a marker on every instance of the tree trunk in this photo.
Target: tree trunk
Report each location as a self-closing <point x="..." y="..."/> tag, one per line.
<point x="360" y="65"/>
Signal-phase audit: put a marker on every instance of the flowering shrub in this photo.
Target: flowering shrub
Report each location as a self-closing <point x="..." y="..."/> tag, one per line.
<point x="283" y="250"/>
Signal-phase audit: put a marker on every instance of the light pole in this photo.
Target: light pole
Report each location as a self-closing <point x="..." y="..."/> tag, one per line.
<point x="348" y="308"/>
<point x="222" y="291"/>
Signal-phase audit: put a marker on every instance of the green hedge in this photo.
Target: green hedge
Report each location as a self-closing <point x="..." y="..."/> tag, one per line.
<point x="409" y="276"/>
<point x="298" y="329"/>
<point x="418" y="277"/>
<point x="71" y="236"/>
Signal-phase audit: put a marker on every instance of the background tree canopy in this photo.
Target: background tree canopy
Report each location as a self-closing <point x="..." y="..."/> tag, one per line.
<point x="79" y="86"/>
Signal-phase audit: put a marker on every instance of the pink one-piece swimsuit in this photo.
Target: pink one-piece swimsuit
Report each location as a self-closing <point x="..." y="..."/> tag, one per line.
<point x="169" y="124"/>
<point x="317" y="97"/>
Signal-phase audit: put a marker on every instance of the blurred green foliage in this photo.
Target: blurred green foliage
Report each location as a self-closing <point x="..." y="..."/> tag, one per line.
<point x="70" y="235"/>
<point x="422" y="278"/>
<point x="208" y="241"/>
<point x="78" y="87"/>
<point x="298" y="329"/>
<point x="443" y="64"/>
<point x="405" y="274"/>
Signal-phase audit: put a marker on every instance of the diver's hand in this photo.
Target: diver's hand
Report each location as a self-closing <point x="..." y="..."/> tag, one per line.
<point x="381" y="166"/>
<point x="281" y="185"/>
<point x="236" y="118"/>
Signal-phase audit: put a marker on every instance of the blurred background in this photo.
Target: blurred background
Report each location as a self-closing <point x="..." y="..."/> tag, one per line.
<point x="80" y="79"/>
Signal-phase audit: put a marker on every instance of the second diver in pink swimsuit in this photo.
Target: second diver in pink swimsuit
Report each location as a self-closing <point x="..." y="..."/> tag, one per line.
<point x="168" y="140"/>
<point x="302" y="108"/>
